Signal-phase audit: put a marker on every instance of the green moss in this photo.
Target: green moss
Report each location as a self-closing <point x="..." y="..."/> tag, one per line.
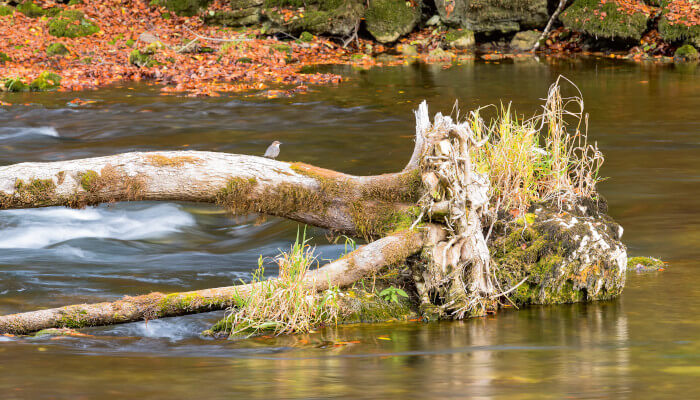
<point x="244" y="60"/>
<point x="681" y="28"/>
<point x="30" y="9"/>
<point x="605" y="20"/>
<point x="235" y="18"/>
<point x="46" y="81"/>
<point x="306" y="37"/>
<point x="387" y="20"/>
<point x="75" y="319"/>
<point x="644" y="264"/>
<point x="141" y="59"/>
<point x="366" y="307"/>
<point x="15" y="85"/>
<point x="335" y="17"/>
<point x="75" y="2"/>
<point x="6" y="10"/>
<point x="4" y="58"/>
<point x="130" y="43"/>
<point x="285" y="48"/>
<point x="55" y="49"/>
<point x="71" y="24"/>
<point x="686" y="52"/>
<point x="186" y="8"/>
<point x="88" y="180"/>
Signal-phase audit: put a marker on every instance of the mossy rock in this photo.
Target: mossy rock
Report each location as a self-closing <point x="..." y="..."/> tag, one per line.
<point x="57" y="49"/>
<point x="604" y="20"/>
<point x="497" y="16"/>
<point x="567" y="257"/>
<point x="71" y="24"/>
<point x="524" y="41"/>
<point x="141" y="59"/>
<point x="330" y="17"/>
<point x="388" y="20"/>
<point x="306" y="37"/>
<point x="460" y="39"/>
<point x="6" y="10"/>
<point x="45" y="81"/>
<point x="4" y="58"/>
<point x="30" y="9"/>
<point x="408" y="50"/>
<point x="644" y="264"/>
<point x="686" y="53"/>
<point x="679" y="30"/>
<point x="235" y="18"/>
<point x="185" y="8"/>
<point x="14" y="85"/>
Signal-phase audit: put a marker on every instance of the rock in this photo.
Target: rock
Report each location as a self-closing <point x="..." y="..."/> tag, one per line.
<point x="433" y="21"/>
<point x="686" y="53"/>
<point x="148" y="38"/>
<point x="570" y="256"/>
<point x="45" y="81"/>
<point x="493" y="15"/>
<point x="388" y="20"/>
<point x="525" y="41"/>
<point x="330" y="17"/>
<point x="605" y="20"/>
<point x="186" y="8"/>
<point x="71" y="24"/>
<point x="438" y="55"/>
<point x="57" y="49"/>
<point x="460" y="39"/>
<point x="675" y="27"/>
<point x="644" y="264"/>
<point x="236" y="18"/>
<point x="408" y="50"/>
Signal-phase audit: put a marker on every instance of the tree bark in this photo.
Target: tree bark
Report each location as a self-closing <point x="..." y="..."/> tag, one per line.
<point x="343" y="272"/>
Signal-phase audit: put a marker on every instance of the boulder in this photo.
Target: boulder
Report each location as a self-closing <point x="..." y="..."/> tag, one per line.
<point x="686" y="53"/>
<point x="460" y="39"/>
<point x="607" y="20"/>
<point x="493" y="15"/>
<point x="388" y="20"/>
<point x="525" y="40"/>
<point x="329" y="17"/>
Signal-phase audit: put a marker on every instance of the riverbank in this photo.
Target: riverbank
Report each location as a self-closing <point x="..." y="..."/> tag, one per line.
<point x="198" y="48"/>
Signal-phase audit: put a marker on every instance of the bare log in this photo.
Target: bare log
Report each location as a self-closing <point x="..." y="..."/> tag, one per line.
<point x="244" y="184"/>
<point x="362" y="262"/>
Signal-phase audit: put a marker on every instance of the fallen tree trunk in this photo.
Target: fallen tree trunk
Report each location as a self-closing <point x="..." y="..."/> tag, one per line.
<point x="343" y="272"/>
<point x="349" y="204"/>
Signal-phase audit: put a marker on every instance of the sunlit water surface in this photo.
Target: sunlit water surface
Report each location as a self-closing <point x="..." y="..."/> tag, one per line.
<point x="645" y="118"/>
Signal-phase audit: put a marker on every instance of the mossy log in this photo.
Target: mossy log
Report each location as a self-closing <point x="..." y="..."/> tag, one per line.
<point x="368" y="206"/>
<point x="343" y="272"/>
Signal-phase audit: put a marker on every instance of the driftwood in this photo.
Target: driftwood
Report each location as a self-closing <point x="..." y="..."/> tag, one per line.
<point x="343" y="272"/>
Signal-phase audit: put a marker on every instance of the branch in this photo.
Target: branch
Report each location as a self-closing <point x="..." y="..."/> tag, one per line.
<point x="343" y="272"/>
<point x="547" y="28"/>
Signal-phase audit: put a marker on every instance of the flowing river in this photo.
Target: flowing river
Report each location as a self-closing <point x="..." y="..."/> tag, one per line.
<point x="646" y="119"/>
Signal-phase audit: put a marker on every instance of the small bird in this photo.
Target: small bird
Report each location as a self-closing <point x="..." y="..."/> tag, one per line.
<point x="273" y="151"/>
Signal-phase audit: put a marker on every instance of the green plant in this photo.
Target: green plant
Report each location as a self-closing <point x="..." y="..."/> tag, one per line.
<point x="392" y="294"/>
<point x="286" y="304"/>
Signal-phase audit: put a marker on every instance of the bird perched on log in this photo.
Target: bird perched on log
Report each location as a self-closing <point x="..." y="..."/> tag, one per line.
<point x="273" y="151"/>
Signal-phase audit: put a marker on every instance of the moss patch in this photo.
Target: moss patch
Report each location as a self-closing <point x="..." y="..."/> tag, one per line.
<point x="158" y="160"/>
<point x="686" y="53"/>
<point x="14" y="85"/>
<point x="606" y="20"/>
<point x="46" y="81"/>
<point x="4" y="58"/>
<point x="387" y="20"/>
<point x="6" y="10"/>
<point x="30" y="9"/>
<point x="141" y="59"/>
<point x="71" y="24"/>
<point x="57" y="49"/>
<point x="186" y="8"/>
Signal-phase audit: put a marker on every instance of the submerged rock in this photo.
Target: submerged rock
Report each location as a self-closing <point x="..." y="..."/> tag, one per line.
<point x="645" y="264"/>
<point x="493" y="15"/>
<point x="564" y="256"/>
<point x="388" y="20"/>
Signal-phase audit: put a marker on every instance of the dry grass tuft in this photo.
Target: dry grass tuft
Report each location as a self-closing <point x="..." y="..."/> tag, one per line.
<point x="287" y="304"/>
<point x="545" y="158"/>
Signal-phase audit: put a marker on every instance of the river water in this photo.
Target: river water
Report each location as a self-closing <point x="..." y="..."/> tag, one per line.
<point x="646" y="118"/>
